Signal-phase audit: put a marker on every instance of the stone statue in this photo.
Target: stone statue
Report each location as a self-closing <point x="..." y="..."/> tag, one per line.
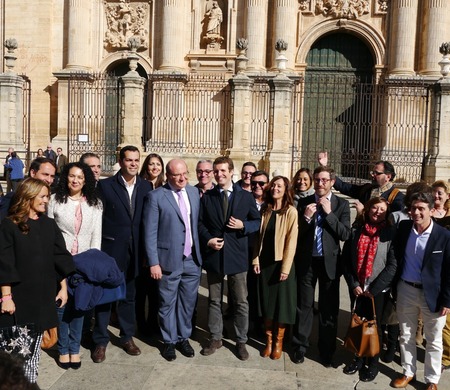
<point x="214" y="17"/>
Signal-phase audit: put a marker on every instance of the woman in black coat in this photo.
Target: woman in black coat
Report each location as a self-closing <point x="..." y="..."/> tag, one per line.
<point x="33" y="260"/>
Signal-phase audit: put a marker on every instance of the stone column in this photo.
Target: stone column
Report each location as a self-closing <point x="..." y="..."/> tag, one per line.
<point x="437" y="163"/>
<point x="79" y="49"/>
<point x="403" y="37"/>
<point x="435" y="29"/>
<point x="241" y="86"/>
<point x="256" y="33"/>
<point x="11" y="108"/>
<point x="280" y="156"/>
<point x="175" y="15"/>
<point x="285" y="27"/>
<point x="133" y="109"/>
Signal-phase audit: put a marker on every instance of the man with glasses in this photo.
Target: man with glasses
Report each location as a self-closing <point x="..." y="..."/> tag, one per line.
<point x="173" y="250"/>
<point x="204" y="172"/>
<point x="382" y="185"/>
<point x="50" y="153"/>
<point x="248" y="169"/>
<point x="259" y="181"/>
<point x="324" y="221"/>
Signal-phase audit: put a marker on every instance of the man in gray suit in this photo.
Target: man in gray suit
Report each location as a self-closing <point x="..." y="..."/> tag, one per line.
<point x="173" y="250"/>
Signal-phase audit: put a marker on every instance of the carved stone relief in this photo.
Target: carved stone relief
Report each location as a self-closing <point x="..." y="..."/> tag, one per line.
<point x="126" y="20"/>
<point x="344" y="9"/>
<point x="213" y="19"/>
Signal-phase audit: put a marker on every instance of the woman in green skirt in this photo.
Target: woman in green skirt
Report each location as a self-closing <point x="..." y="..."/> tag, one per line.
<point x="276" y="284"/>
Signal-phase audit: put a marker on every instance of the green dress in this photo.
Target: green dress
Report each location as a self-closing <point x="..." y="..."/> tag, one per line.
<point x="276" y="300"/>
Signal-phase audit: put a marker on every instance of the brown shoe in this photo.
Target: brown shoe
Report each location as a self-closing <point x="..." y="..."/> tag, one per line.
<point x="131" y="348"/>
<point x="211" y="347"/>
<point x="432" y="386"/>
<point x="241" y="351"/>
<point x="402" y="381"/>
<point x="99" y="354"/>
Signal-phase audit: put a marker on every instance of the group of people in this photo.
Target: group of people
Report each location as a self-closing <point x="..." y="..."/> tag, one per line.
<point x="270" y="241"/>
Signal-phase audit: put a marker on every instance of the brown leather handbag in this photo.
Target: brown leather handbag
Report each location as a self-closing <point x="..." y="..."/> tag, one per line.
<point x="362" y="335"/>
<point x="49" y="338"/>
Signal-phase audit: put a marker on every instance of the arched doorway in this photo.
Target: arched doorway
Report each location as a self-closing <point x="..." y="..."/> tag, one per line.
<point x="337" y="105"/>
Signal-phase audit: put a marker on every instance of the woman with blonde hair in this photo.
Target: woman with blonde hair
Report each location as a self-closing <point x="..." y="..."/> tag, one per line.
<point x="33" y="258"/>
<point x="441" y="191"/>
<point x="276" y="284"/>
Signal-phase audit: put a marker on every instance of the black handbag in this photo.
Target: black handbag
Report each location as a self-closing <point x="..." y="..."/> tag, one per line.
<point x="19" y="340"/>
<point x="362" y="335"/>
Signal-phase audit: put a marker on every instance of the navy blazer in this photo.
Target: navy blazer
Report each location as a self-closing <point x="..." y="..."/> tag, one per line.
<point x="233" y="257"/>
<point x="435" y="271"/>
<point x="336" y="228"/>
<point x="121" y="228"/>
<point x="164" y="228"/>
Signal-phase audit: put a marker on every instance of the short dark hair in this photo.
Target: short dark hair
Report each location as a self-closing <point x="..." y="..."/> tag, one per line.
<point x="261" y="173"/>
<point x="224" y="160"/>
<point x="387" y="167"/>
<point x="36" y="163"/>
<point x="325" y="169"/>
<point x="128" y="148"/>
<point x="87" y="155"/>
<point x="425" y="197"/>
<point x="249" y="164"/>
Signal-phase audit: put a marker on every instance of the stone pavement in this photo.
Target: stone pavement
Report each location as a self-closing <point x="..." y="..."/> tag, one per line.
<point x="219" y="371"/>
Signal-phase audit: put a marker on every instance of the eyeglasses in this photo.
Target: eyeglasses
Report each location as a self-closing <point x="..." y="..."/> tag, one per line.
<point x="258" y="183"/>
<point x="323" y="181"/>
<point x="202" y="171"/>
<point x="376" y="173"/>
<point x="245" y="173"/>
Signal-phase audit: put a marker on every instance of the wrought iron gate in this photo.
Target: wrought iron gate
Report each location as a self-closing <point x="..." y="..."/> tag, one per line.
<point x="95" y="122"/>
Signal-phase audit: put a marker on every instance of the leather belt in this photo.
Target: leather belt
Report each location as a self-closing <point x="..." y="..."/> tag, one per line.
<point x="415" y="285"/>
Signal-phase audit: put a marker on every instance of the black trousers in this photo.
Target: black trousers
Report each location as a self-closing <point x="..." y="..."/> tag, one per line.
<point x="328" y="309"/>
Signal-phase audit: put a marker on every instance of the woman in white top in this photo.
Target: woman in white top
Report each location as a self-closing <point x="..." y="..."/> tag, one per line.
<point x="77" y="210"/>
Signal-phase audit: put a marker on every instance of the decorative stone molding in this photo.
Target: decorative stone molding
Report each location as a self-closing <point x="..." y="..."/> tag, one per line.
<point x="381" y="6"/>
<point x="348" y="9"/>
<point x="126" y="20"/>
<point x="444" y="49"/>
<point x="10" y="59"/>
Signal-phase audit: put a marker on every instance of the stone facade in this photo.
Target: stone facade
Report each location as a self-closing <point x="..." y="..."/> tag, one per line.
<point x="176" y="37"/>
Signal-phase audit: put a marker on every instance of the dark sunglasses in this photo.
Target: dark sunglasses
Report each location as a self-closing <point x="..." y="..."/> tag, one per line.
<point x="376" y="173"/>
<point x="258" y="183"/>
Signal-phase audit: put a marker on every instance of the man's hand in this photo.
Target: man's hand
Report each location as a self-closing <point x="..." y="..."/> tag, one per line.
<point x="256" y="269"/>
<point x="216" y="243"/>
<point x="445" y="311"/>
<point x="322" y="159"/>
<point x="310" y="210"/>
<point x="357" y="291"/>
<point x="326" y="205"/>
<point x="235" y="223"/>
<point x="156" y="272"/>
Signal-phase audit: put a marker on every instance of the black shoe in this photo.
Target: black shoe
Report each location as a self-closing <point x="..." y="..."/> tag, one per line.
<point x="353" y="367"/>
<point x="368" y="374"/>
<point x="327" y="362"/>
<point x="299" y="356"/>
<point x="75" y="365"/>
<point x="169" y="352"/>
<point x="185" y="348"/>
<point x="63" y="365"/>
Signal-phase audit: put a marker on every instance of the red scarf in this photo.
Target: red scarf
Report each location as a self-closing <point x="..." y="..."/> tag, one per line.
<point x="367" y="249"/>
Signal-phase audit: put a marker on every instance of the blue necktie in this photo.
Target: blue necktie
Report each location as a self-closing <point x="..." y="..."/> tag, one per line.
<point x="319" y="231"/>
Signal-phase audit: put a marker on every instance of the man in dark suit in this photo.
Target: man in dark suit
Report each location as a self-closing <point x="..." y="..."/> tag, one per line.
<point x="382" y="175"/>
<point x="123" y="198"/>
<point x="61" y="160"/>
<point x="422" y="249"/>
<point x="50" y="153"/>
<point x="228" y="214"/>
<point x="173" y="251"/>
<point x="324" y="221"/>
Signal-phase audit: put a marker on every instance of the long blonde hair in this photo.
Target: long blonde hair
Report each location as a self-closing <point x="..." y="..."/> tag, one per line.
<point x="19" y="211"/>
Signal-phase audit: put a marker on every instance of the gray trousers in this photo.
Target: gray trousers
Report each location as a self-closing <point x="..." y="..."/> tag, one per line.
<point x="237" y="285"/>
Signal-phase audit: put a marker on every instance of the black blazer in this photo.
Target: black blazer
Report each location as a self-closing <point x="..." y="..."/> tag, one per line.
<point x="435" y="267"/>
<point x="233" y="257"/>
<point x="336" y="228"/>
<point x="121" y="230"/>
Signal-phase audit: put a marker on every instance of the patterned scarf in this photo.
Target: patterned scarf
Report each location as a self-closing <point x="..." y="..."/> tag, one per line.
<point x="367" y="249"/>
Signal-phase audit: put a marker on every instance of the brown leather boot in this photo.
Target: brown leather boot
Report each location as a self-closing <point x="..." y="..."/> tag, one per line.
<point x="268" y="324"/>
<point x="278" y="347"/>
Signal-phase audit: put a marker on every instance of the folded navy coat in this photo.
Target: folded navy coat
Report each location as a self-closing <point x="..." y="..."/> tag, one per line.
<point x="95" y="271"/>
